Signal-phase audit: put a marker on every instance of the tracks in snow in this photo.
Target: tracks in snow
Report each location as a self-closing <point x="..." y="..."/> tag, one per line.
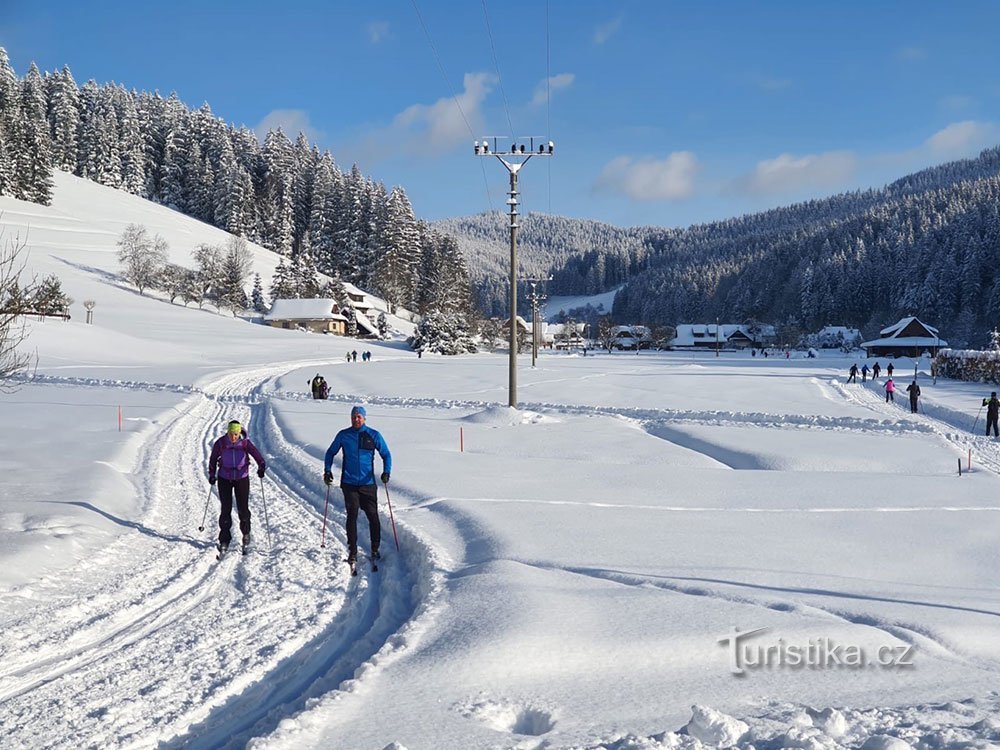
<point x="161" y="643"/>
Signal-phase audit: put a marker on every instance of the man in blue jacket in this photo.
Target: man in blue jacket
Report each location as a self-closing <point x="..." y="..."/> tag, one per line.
<point x="357" y="477"/>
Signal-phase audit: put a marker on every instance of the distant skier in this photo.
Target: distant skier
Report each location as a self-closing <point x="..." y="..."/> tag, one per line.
<point x="890" y="391"/>
<point x="354" y="356"/>
<point x="876" y="371"/>
<point x="348" y="355"/>
<point x="230" y="461"/>
<point x="914" y="390"/>
<point x="357" y="477"/>
<point x="318" y="384"/>
<point x="864" y="373"/>
<point x="853" y="374"/>
<point x="889" y="369"/>
<point x="992" y="405"/>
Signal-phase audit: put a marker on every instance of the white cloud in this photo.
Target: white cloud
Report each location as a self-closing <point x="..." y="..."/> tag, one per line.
<point x="377" y="31"/>
<point x="555" y="83"/>
<point x="649" y="179"/>
<point x="440" y="126"/>
<point x="291" y="121"/>
<point x="607" y="30"/>
<point x="962" y="139"/>
<point x="789" y="173"/>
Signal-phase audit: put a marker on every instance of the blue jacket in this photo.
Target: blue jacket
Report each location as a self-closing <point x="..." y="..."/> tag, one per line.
<point x="359" y="446"/>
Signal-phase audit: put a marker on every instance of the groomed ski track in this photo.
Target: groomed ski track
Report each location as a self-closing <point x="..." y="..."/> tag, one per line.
<point x="223" y="650"/>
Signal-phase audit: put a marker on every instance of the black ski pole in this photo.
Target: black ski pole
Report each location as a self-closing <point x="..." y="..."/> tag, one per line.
<point x="267" y="524"/>
<point x="973" y="430"/>
<point x="326" y="506"/>
<point x="389" y="501"/>
<point x="205" y="514"/>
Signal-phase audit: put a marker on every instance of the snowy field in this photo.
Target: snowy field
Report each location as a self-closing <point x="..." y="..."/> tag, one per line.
<point x="565" y="571"/>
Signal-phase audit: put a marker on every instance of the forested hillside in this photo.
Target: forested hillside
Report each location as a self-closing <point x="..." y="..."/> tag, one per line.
<point x="927" y="244"/>
<point x="287" y="196"/>
<point x="583" y="256"/>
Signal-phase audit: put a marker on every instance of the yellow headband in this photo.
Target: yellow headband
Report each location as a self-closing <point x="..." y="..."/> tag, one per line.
<point x="235" y="428"/>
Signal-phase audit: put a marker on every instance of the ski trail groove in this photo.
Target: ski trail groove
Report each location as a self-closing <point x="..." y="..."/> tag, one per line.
<point x="163" y="644"/>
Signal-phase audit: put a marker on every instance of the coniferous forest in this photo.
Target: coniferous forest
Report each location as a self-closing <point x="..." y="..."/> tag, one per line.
<point x="284" y="195"/>
<point x="927" y="245"/>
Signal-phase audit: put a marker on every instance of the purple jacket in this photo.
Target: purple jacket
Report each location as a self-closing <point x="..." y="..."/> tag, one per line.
<point x="231" y="459"/>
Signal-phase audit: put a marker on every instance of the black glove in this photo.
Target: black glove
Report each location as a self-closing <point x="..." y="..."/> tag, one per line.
<point x="211" y="480"/>
<point x="260" y="472"/>
<point x="385" y="477"/>
<point x="327" y="478"/>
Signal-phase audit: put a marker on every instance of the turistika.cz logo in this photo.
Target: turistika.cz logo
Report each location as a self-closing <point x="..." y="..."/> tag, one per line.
<point x="816" y="653"/>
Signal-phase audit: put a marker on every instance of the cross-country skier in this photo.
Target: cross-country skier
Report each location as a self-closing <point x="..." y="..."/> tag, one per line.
<point x="890" y="390"/>
<point x="864" y="372"/>
<point x="853" y="374"/>
<point x="876" y="371"/>
<point x="992" y="405"/>
<point x="888" y="369"/>
<point x="230" y="462"/>
<point x="914" y="390"/>
<point x="357" y="477"/>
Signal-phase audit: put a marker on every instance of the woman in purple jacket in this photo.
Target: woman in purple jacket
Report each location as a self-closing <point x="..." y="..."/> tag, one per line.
<point x="230" y="462"/>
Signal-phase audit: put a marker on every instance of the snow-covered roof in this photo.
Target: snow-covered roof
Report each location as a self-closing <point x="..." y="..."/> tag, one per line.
<point x="366" y="325"/>
<point x="895" y="328"/>
<point x="690" y="333"/>
<point x="304" y="309"/>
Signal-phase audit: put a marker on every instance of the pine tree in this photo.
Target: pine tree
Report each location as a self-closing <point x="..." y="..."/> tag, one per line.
<point x="257" y="302"/>
<point x="282" y="284"/>
<point x="48" y="297"/>
<point x="64" y="119"/>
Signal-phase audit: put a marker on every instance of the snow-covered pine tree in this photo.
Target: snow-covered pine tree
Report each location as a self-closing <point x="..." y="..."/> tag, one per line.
<point x="64" y="119"/>
<point x="277" y="206"/>
<point x="257" y="302"/>
<point x="49" y="298"/>
<point x="383" y="326"/>
<point x="283" y="285"/>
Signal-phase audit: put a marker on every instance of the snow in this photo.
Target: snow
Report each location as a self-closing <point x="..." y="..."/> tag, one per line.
<point x="565" y="569"/>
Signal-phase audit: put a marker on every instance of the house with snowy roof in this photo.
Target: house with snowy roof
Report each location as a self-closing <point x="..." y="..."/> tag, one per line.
<point x="908" y="337"/>
<point x="631" y="337"/>
<point x="315" y="314"/>
<point x="697" y="336"/>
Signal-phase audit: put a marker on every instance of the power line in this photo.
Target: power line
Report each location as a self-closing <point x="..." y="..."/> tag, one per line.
<point x="496" y="64"/>
<point x="447" y="83"/>
<point x="548" y="99"/>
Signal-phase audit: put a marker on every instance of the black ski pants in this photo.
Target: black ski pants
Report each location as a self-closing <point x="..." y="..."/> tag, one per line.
<point x="241" y="488"/>
<point x="992" y="422"/>
<point x="913" y="404"/>
<point x="363" y="497"/>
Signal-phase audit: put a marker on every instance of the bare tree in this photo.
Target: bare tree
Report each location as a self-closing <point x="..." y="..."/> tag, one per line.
<point x="13" y="306"/>
<point x="141" y="256"/>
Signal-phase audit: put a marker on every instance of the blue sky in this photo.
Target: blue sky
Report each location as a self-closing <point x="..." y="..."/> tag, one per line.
<point x="667" y="113"/>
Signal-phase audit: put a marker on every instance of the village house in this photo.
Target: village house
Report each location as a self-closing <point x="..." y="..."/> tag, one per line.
<point x="906" y="338"/>
<point x="708" y="336"/>
<point x="316" y="314"/>
<point x="834" y="337"/>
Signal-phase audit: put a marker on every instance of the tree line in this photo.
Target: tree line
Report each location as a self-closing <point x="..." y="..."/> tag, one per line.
<point x="286" y="196"/>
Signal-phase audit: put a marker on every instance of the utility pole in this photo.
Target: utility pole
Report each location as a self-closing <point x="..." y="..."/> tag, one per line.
<point x="535" y="298"/>
<point x="520" y="155"/>
<point x="716" y="337"/>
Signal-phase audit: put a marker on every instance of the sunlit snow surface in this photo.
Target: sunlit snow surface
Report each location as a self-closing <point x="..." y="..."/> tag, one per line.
<point x="565" y="570"/>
